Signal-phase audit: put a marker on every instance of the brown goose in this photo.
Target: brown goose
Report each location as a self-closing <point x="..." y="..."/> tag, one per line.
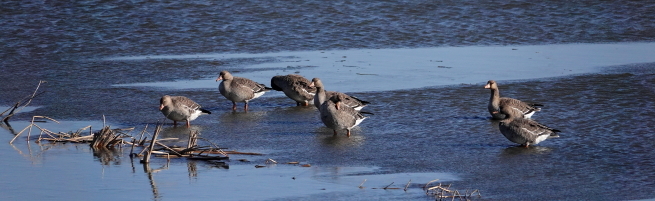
<point x="524" y="131"/>
<point x="180" y="108"/>
<point x="519" y="108"/>
<point x="238" y="89"/>
<point x="333" y="113"/>
<point x="295" y="87"/>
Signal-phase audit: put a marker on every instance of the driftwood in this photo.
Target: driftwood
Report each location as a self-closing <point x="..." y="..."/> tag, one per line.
<point x="407" y="186"/>
<point x="440" y="192"/>
<point x="146" y="158"/>
<point x="134" y="142"/>
<point x="387" y="187"/>
<point x="21" y="104"/>
<point x="32" y="124"/>
<point x="443" y="192"/>
<point x="191" y="151"/>
<point x="107" y="137"/>
<point x="201" y="157"/>
<point x="228" y="152"/>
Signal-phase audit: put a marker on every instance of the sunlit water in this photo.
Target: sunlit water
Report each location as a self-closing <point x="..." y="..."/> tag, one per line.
<point x="118" y="58"/>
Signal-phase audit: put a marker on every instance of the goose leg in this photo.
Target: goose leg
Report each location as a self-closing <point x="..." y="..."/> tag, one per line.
<point x="174" y="123"/>
<point x="234" y="105"/>
<point x="246" y="107"/>
<point x="348" y="133"/>
<point x="335" y="132"/>
<point x="188" y="124"/>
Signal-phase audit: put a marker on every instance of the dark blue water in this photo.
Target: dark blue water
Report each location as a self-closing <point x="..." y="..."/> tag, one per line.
<point x="605" y="152"/>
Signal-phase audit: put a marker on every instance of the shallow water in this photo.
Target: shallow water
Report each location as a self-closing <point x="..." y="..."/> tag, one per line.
<point x="351" y="70"/>
<point x="102" y="58"/>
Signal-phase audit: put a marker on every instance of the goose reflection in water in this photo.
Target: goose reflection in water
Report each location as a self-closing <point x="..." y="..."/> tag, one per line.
<point x="521" y="150"/>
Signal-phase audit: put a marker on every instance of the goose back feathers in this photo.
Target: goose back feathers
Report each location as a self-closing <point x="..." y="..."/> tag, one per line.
<point x="296" y="87"/>
<point x="524" y="131"/>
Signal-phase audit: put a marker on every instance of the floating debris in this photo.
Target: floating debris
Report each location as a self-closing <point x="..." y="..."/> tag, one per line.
<point x="407" y="186"/>
<point x="271" y="161"/>
<point x="300" y="67"/>
<point x="366" y="74"/>
<point x="441" y="192"/>
<point x="21" y="104"/>
<point x="107" y="137"/>
<point x="361" y="185"/>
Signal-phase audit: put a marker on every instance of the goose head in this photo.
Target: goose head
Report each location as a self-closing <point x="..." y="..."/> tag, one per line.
<point x="491" y="85"/>
<point x="224" y="75"/>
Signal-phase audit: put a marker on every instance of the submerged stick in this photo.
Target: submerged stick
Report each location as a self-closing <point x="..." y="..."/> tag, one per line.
<point x="213" y="144"/>
<point x="146" y="158"/>
<point x="192" y="139"/>
<point x="3" y="113"/>
<point x="476" y="190"/>
<point x="30" y="127"/>
<point x="30" y="98"/>
<point x="426" y="185"/>
<point x="135" y="142"/>
<point x="385" y="188"/>
<point x="406" y="186"/>
<point x="360" y="185"/>
<point x="168" y="148"/>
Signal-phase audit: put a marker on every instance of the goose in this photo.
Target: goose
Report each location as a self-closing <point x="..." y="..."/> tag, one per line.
<point x="180" y="108"/>
<point x="521" y="109"/>
<point x="295" y="87"/>
<point x="334" y="113"/>
<point x="523" y="131"/>
<point x="238" y="89"/>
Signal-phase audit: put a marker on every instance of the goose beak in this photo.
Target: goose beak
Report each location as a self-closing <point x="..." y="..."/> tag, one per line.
<point x="487" y="86"/>
<point x="311" y="84"/>
<point x="219" y="78"/>
<point x="161" y="106"/>
<point x="338" y="105"/>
